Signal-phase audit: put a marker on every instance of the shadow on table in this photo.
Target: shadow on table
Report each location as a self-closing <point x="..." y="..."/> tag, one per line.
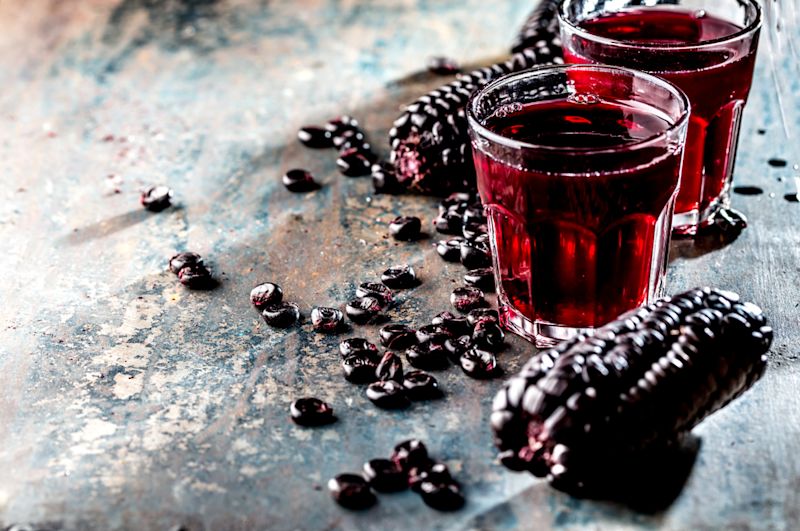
<point x="724" y="228"/>
<point x="700" y="245"/>
<point x="109" y="226"/>
<point x="647" y="487"/>
<point x="650" y="483"/>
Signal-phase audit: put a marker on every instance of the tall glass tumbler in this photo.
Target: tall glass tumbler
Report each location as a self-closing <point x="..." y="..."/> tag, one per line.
<point x="705" y="47"/>
<point x="578" y="168"/>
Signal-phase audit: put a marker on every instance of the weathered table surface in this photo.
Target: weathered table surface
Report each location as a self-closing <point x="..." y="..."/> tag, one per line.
<point x="128" y="402"/>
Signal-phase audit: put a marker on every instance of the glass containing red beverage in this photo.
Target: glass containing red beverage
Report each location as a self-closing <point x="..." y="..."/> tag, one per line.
<point x="705" y="47"/>
<point x="578" y="168"/>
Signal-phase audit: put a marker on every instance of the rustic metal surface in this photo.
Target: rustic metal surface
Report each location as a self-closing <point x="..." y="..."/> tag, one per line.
<point x="128" y="402"/>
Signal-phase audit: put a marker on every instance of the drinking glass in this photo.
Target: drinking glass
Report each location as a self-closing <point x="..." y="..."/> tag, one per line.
<point x="705" y="47"/>
<point x="578" y="169"/>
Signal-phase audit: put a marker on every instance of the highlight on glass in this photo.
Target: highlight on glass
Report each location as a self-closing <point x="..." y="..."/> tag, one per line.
<point x="705" y="47"/>
<point x="578" y="167"/>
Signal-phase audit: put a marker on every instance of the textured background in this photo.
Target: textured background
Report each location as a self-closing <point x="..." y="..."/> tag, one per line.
<point x="127" y="402"/>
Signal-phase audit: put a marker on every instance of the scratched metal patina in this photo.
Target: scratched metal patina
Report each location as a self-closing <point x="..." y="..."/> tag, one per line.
<point x="128" y="402"/>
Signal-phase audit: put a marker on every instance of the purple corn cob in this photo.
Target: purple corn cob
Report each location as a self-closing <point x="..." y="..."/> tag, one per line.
<point x="540" y="30"/>
<point x="430" y="148"/>
<point x="639" y="382"/>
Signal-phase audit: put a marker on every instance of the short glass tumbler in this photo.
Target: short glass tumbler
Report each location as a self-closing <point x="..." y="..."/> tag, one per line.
<point x="705" y="47"/>
<point x="578" y="169"/>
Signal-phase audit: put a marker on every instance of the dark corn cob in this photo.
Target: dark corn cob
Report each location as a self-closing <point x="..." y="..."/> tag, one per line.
<point x="430" y="146"/>
<point x="430" y="142"/>
<point x="540" y="30"/>
<point x="639" y="382"/>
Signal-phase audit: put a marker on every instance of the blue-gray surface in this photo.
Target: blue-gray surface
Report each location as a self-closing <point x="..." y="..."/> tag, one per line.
<point x="127" y="402"/>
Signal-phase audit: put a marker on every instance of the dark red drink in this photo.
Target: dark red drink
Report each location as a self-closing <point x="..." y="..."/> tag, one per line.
<point x="577" y="248"/>
<point x="706" y="57"/>
<point x="579" y="177"/>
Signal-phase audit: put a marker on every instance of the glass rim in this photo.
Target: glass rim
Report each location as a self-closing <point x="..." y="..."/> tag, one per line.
<point x="476" y="125"/>
<point x="710" y="43"/>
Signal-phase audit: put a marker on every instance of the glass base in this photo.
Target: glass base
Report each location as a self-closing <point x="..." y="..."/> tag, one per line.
<point x="540" y="333"/>
<point x="686" y="223"/>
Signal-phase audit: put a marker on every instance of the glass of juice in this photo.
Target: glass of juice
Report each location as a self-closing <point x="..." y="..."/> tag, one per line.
<point x="578" y="168"/>
<point x="705" y="47"/>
